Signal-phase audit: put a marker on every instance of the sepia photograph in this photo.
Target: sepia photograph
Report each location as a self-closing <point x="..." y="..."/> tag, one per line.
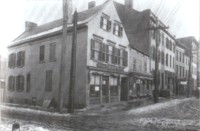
<point x="100" y="65"/>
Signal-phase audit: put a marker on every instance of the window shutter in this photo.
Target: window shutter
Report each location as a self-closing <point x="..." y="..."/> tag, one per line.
<point x="109" y="25"/>
<point x="101" y="22"/>
<point x="125" y="55"/>
<point x="118" y="57"/>
<point x="92" y="48"/>
<point x="14" y="60"/>
<point x="113" y="55"/>
<point x="23" y="58"/>
<point x="120" y="31"/>
<point x="100" y="51"/>
<point x="114" y="28"/>
<point x="107" y="51"/>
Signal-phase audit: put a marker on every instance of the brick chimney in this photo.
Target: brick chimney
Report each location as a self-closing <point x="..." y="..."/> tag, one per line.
<point x="129" y="4"/>
<point x="29" y="25"/>
<point x="91" y="4"/>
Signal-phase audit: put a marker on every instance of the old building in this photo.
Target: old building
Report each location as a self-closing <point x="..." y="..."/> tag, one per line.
<point x="102" y="60"/>
<point x="182" y="68"/>
<point x="191" y="45"/>
<point x="139" y="27"/>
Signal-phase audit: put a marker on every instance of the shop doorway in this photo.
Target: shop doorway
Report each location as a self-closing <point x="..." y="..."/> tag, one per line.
<point x="105" y="87"/>
<point x="124" y="89"/>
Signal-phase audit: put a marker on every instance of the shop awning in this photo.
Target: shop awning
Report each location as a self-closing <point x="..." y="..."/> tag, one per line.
<point x="141" y="75"/>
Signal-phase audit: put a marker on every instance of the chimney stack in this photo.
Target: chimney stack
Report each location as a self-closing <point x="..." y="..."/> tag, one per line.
<point x="91" y="4"/>
<point x="29" y="25"/>
<point x="129" y="4"/>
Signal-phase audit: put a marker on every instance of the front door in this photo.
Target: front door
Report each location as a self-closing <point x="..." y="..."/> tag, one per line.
<point x="105" y="89"/>
<point x="124" y="89"/>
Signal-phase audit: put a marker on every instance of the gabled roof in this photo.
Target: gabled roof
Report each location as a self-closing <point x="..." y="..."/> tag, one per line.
<point x="82" y="16"/>
<point x="136" y="26"/>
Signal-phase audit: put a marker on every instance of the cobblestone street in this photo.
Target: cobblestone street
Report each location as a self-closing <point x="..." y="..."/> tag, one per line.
<point x="174" y="115"/>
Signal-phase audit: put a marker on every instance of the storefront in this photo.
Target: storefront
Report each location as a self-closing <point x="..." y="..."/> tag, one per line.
<point x="182" y="86"/>
<point x="140" y="85"/>
<point x="170" y="83"/>
<point x="105" y="85"/>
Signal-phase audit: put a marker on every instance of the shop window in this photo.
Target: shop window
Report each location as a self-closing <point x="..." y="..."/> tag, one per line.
<point x="113" y="86"/>
<point x="52" y="55"/>
<point x="11" y="83"/>
<point x="20" y="58"/>
<point x="95" y="86"/>
<point x="117" y="30"/>
<point x="48" y="80"/>
<point x="42" y="53"/>
<point x="105" y="23"/>
<point x="20" y="83"/>
<point x="12" y="60"/>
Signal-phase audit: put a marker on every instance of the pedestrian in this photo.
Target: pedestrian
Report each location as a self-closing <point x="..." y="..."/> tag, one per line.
<point x="16" y="127"/>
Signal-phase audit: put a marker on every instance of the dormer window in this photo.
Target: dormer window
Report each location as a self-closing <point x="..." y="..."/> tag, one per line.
<point x="105" y="23"/>
<point x="117" y="29"/>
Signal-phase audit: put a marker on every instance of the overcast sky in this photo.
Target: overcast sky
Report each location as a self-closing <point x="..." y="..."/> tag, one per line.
<point x="182" y="16"/>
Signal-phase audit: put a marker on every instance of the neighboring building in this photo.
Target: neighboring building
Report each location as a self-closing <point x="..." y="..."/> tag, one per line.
<point x="191" y="45"/>
<point x="182" y="68"/>
<point x="3" y="67"/>
<point x="138" y="29"/>
<point x="102" y="64"/>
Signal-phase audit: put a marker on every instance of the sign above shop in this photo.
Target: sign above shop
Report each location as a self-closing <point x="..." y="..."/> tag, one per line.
<point x="183" y="82"/>
<point x="110" y="67"/>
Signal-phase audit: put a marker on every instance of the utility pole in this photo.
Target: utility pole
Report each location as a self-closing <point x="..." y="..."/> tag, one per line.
<point x="73" y="65"/>
<point x="156" y="61"/>
<point x="198" y="82"/>
<point x="63" y="54"/>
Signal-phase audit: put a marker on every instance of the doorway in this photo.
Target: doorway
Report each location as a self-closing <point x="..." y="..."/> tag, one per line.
<point x="124" y="89"/>
<point x="105" y="89"/>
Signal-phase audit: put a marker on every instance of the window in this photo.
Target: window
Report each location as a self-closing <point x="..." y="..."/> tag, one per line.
<point x="12" y="60"/>
<point x="114" y="55"/>
<point x="183" y="58"/>
<point x="117" y="29"/>
<point x="95" y="86"/>
<point x="170" y="61"/>
<point x="125" y="58"/>
<point x="134" y="64"/>
<point x="113" y="86"/>
<point x="180" y="57"/>
<point x="105" y="23"/>
<point x="154" y="52"/>
<point x="177" y="70"/>
<point x="95" y="49"/>
<point x="11" y="83"/>
<point x="163" y="39"/>
<point x="173" y="62"/>
<point x="166" y="59"/>
<point x="163" y="58"/>
<point x="28" y="82"/>
<point x="167" y="43"/>
<point x="52" y="56"/>
<point x="110" y="54"/>
<point x="20" y="83"/>
<point x="177" y="55"/>
<point x="20" y="58"/>
<point x="174" y="47"/>
<point x="48" y="81"/>
<point x="42" y="53"/>
<point x="145" y="66"/>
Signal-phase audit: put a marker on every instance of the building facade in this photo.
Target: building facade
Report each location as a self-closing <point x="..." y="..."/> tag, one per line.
<point x="182" y="69"/>
<point x="101" y="61"/>
<point x="191" y="45"/>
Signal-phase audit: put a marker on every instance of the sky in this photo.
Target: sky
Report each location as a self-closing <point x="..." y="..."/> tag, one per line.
<point x="182" y="16"/>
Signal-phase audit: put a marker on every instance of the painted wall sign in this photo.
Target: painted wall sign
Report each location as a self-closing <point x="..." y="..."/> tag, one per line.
<point x="110" y="67"/>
